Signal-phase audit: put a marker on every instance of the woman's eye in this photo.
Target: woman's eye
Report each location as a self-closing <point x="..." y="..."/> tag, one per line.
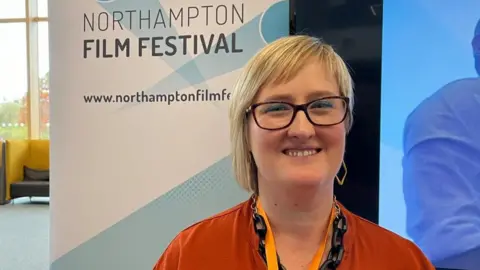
<point x="275" y="108"/>
<point x="322" y="104"/>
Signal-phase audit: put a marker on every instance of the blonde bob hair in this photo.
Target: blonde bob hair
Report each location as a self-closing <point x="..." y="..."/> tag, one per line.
<point x="277" y="63"/>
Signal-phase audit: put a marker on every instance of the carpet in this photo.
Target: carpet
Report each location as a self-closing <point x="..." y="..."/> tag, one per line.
<point x="24" y="235"/>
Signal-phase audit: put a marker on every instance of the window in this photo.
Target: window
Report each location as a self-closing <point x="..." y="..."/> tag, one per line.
<point x="13" y="81"/>
<point x="24" y="66"/>
<point x="43" y="83"/>
<point x="42" y="8"/>
<point x="10" y="9"/>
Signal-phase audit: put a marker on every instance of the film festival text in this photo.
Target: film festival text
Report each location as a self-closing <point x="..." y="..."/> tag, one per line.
<point x="159" y="21"/>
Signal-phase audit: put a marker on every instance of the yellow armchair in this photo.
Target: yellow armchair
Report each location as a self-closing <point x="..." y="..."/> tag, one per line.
<point x="21" y="154"/>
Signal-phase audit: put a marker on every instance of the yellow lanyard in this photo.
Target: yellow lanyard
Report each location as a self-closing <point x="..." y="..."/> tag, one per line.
<point x="271" y="251"/>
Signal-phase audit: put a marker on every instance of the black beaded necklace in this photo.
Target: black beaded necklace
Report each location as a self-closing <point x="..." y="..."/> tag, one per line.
<point x="337" y="249"/>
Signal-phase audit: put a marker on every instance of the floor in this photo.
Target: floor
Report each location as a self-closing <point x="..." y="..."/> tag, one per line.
<point x="24" y="235"/>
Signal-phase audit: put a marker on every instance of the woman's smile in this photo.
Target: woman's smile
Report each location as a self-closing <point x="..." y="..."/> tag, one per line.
<point x="302" y="152"/>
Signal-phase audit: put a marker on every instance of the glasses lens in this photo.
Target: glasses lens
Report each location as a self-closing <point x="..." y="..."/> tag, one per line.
<point x="328" y="111"/>
<point x="273" y="115"/>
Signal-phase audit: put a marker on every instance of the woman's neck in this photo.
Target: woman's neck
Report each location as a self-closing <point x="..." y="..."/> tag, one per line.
<point x="301" y="214"/>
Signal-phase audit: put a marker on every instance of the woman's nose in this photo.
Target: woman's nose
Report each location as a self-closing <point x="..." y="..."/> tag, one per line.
<point x="301" y="127"/>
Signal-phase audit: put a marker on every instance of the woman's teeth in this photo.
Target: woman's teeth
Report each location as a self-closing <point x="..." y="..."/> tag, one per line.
<point x="301" y="153"/>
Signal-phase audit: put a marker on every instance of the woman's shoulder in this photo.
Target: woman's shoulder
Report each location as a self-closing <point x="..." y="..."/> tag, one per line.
<point x="366" y="227"/>
<point x="385" y="245"/>
<point x="219" y="221"/>
<point x="207" y="240"/>
<point x="218" y="225"/>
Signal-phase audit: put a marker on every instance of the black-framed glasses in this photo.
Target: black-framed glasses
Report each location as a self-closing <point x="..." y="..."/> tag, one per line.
<point x="274" y="115"/>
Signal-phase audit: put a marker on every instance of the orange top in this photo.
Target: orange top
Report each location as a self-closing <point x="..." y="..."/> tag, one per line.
<point x="228" y="241"/>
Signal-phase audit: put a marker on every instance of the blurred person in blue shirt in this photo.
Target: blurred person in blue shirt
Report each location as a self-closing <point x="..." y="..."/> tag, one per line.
<point x="441" y="165"/>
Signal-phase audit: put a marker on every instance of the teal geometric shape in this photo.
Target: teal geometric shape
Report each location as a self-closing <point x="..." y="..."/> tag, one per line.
<point x="137" y="241"/>
<point x="273" y="24"/>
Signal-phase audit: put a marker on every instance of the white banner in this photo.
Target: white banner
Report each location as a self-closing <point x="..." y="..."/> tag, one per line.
<point x="139" y="127"/>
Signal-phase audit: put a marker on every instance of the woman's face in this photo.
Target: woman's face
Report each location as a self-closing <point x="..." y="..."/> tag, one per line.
<point x="302" y="153"/>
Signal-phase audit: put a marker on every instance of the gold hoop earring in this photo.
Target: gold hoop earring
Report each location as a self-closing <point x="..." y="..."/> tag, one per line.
<point x="342" y="181"/>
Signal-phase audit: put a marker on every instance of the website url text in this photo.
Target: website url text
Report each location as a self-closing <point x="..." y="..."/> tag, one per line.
<point x="200" y="95"/>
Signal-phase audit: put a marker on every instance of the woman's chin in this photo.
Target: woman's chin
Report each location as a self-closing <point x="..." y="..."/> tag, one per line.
<point x="307" y="180"/>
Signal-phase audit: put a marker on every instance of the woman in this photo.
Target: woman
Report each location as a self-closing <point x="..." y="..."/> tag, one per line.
<point x="290" y="113"/>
